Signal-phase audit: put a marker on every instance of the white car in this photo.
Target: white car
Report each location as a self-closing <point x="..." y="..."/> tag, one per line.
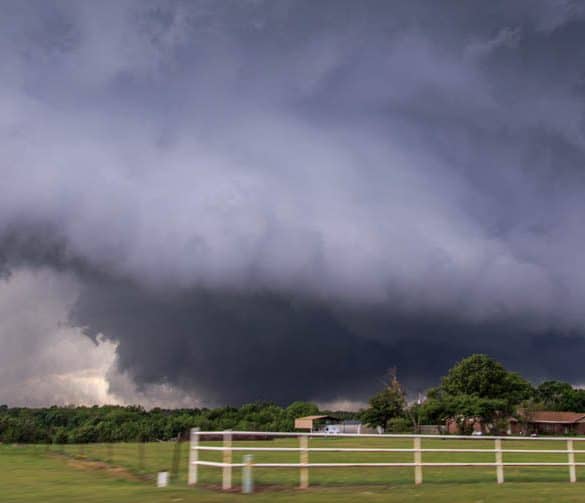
<point x="477" y="433"/>
<point x="332" y="429"/>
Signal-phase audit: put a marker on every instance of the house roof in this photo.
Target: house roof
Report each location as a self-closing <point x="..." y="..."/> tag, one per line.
<point x="546" y="416"/>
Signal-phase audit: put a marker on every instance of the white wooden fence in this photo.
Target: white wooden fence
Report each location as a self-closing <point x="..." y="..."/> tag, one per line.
<point x="417" y="464"/>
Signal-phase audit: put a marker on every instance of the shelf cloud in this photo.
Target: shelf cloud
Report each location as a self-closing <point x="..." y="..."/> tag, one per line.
<point x="280" y="200"/>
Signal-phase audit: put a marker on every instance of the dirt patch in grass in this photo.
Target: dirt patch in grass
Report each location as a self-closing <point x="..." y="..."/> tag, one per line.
<point x="100" y="466"/>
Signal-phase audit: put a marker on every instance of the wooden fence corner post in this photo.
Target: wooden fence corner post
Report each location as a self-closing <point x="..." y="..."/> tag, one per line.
<point x="499" y="461"/>
<point x="193" y="457"/>
<point x="571" y="452"/>
<point x="304" y="460"/>
<point x="226" y="483"/>
<point x="418" y="471"/>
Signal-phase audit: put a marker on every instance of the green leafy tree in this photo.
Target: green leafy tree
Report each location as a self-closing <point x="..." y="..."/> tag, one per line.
<point x="385" y="405"/>
<point x="577" y="400"/>
<point x="555" y="395"/>
<point x="561" y="396"/>
<point x="299" y="409"/>
<point x="477" y="389"/>
<point x="484" y="377"/>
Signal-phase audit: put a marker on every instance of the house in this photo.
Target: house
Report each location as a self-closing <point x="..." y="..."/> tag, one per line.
<point x="542" y="422"/>
<point x="548" y="422"/>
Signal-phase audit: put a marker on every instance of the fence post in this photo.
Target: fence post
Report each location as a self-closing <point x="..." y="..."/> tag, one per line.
<point x="226" y="482"/>
<point x="418" y="473"/>
<point x="247" y="481"/>
<point x="499" y="462"/>
<point x="304" y="460"/>
<point x="193" y="457"/>
<point x="572" y="472"/>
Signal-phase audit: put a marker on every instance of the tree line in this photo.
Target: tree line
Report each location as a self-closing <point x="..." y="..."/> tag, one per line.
<point x="111" y="423"/>
<point x="477" y="388"/>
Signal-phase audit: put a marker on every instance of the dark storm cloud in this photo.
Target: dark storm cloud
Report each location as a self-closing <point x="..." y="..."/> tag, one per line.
<point x="234" y="348"/>
<point x="281" y="199"/>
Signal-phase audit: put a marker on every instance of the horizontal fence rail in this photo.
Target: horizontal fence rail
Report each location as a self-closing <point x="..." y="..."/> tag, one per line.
<point x="303" y="450"/>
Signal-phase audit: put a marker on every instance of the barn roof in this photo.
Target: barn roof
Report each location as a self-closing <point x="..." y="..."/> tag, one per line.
<point x="316" y="418"/>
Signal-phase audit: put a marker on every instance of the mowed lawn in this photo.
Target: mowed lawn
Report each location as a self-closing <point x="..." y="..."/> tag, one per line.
<point x="125" y="473"/>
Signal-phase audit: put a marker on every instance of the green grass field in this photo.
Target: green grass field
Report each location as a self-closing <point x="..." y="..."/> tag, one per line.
<point x="103" y="474"/>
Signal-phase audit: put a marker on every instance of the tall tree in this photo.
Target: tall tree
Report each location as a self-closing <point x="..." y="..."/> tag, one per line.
<point x="386" y="404"/>
<point x="477" y="389"/>
<point x="484" y="377"/>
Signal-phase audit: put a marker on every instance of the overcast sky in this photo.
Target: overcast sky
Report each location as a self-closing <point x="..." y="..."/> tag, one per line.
<point x="210" y="202"/>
